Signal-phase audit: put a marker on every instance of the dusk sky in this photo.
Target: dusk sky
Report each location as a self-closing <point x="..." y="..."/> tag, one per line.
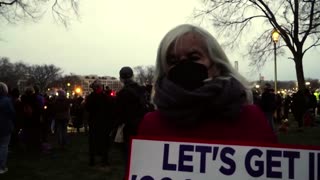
<point x="112" y="33"/>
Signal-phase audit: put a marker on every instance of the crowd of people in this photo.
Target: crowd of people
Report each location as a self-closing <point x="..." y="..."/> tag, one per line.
<point x="196" y="94"/>
<point x="28" y="119"/>
<point x="277" y="107"/>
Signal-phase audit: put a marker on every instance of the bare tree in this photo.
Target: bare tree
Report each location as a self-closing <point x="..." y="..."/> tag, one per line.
<point x="298" y="22"/>
<point x="150" y="71"/>
<point x="43" y="75"/>
<point x="6" y="71"/>
<point x="12" y="73"/>
<point x="63" y="81"/>
<point x="14" y="11"/>
<point x="144" y="74"/>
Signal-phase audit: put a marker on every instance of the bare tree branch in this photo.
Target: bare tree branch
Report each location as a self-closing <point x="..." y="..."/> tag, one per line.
<point x="294" y="19"/>
<point x="25" y="10"/>
<point x="8" y="3"/>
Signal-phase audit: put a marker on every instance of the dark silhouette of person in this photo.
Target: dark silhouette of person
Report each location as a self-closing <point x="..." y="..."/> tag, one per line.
<point x="99" y="105"/>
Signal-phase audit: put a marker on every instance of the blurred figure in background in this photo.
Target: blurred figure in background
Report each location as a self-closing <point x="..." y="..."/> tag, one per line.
<point x="15" y="97"/>
<point x="268" y="104"/>
<point x="7" y="116"/>
<point x="31" y="120"/>
<point x="61" y="111"/>
<point x="99" y="106"/>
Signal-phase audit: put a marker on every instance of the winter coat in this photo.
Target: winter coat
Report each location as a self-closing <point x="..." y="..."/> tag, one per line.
<point x="61" y="109"/>
<point x="250" y="126"/>
<point x="7" y="115"/>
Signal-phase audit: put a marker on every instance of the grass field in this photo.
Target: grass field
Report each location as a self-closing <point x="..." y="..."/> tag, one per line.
<point x="72" y="164"/>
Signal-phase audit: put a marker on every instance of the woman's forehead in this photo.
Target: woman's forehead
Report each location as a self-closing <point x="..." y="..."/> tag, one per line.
<point x="186" y="43"/>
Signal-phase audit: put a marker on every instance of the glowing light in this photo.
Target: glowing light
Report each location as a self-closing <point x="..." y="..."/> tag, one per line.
<point x="45" y="107"/>
<point x="275" y="35"/>
<point x="113" y="93"/>
<point x="78" y="90"/>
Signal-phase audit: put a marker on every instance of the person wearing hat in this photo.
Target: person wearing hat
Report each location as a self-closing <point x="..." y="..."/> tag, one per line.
<point x="99" y="105"/>
<point x="131" y="101"/>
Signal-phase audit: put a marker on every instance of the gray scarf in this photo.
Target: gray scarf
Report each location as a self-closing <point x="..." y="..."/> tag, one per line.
<point x="219" y="98"/>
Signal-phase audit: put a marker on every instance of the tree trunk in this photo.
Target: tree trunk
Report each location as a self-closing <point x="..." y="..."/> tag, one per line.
<point x="299" y="72"/>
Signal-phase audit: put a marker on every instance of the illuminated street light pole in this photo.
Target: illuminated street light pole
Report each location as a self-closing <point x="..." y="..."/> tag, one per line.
<point x="275" y="38"/>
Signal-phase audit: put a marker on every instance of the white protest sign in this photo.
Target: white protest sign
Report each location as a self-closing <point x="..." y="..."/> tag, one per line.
<point x="174" y="160"/>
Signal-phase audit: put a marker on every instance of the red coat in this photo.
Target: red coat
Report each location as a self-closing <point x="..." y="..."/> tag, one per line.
<point x="251" y="126"/>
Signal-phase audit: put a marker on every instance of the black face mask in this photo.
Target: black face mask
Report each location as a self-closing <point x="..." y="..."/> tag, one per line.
<point x="188" y="75"/>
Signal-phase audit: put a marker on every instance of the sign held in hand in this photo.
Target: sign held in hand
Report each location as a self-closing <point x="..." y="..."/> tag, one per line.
<point x="187" y="160"/>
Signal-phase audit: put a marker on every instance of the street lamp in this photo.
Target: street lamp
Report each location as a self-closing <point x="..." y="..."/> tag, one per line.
<point x="275" y="35"/>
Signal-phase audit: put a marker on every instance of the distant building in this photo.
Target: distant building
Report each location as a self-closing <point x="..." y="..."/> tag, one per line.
<point x="112" y="82"/>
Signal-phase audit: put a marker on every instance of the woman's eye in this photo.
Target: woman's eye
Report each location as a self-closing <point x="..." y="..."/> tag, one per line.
<point x="194" y="58"/>
<point x="172" y="61"/>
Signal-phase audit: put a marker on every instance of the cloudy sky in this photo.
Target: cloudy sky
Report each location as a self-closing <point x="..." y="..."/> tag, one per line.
<point x="112" y="33"/>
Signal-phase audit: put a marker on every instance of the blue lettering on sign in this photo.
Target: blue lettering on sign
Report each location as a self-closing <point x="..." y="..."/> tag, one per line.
<point x="183" y="158"/>
<point x="215" y="153"/>
<point x="147" y="178"/>
<point x="227" y="160"/>
<point x="318" y="166"/>
<point x="291" y="155"/>
<point x="165" y="164"/>
<point x="166" y="178"/>
<point x="271" y="163"/>
<point x="203" y="154"/>
<point x="311" y="166"/>
<point x="254" y="173"/>
<point x="134" y="177"/>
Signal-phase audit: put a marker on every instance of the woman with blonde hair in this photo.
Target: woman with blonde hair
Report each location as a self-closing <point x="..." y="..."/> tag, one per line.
<point x="198" y="94"/>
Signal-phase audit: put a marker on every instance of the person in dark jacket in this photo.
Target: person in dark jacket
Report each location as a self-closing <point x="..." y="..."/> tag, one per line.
<point x="99" y="106"/>
<point x="31" y="120"/>
<point x="131" y="101"/>
<point x="61" y="111"/>
<point x="15" y="98"/>
<point x="287" y="106"/>
<point x="299" y="107"/>
<point x="268" y="104"/>
<point x="131" y="106"/>
<point x="7" y="115"/>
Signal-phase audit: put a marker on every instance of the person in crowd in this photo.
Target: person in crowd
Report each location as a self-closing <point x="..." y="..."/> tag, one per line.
<point x="268" y="104"/>
<point x="61" y="111"/>
<point x="77" y="113"/>
<point x="47" y="117"/>
<point x="31" y="120"/>
<point x="132" y="104"/>
<point x="15" y="98"/>
<point x="311" y="104"/>
<point x="279" y="104"/>
<point x="286" y="107"/>
<point x="299" y="107"/>
<point x="99" y="106"/>
<point x="214" y="102"/>
<point x="7" y="115"/>
<point x="256" y="97"/>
